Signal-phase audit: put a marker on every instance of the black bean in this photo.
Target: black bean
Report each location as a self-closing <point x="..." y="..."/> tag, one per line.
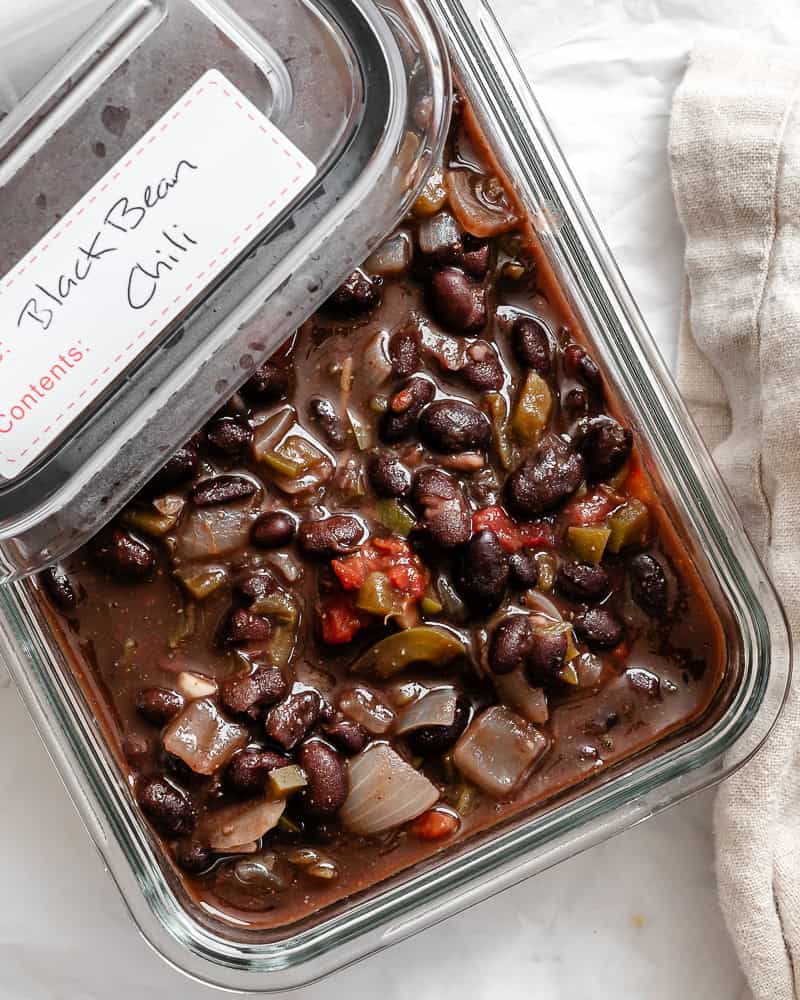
<point x="483" y="370"/>
<point x="445" y="518"/>
<point x="476" y="257"/>
<point x="158" y="704"/>
<point x="482" y="572"/>
<point x="433" y="740"/>
<point x="137" y="748"/>
<point x="255" y="588"/>
<point x="405" y="353"/>
<point x="332" y="536"/>
<point x="452" y="425"/>
<point x="239" y="626"/>
<point x="484" y="487"/>
<point x="347" y="735"/>
<point x="649" y="585"/>
<point x="545" y="479"/>
<point x="167" y="807"/>
<point x="388" y="475"/>
<point x="581" y="365"/>
<point x="327" y="777"/>
<point x="605" y="446"/>
<point x="323" y="412"/>
<point x="180" y="467"/>
<point x="61" y="590"/>
<point x="400" y="419"/>
<point x="598" y="628"/>
<point x="180" y="770"/>
<point x="221" y="489"/>
<point x="193" y="857"/>
<point x="546" y="656"/>
<point x="511" y="644"/>
<point x="273" y="530"/>
<point x="327" y="713"/>
<point x="356" y="295"/>
<point x="289" y="721"/>
<point x="524" y="569"/>
<point x="120" y="554"/>
<point x="269" y="383"/>
<point x="581" y="582"/>
<point x="262" y="686"/>
<point x="248" y="771"/>
<point x="229" y="435"/>
<point x="530" y="343"/>
<point x="457" y="301"/>
<point x="576" y="402"/>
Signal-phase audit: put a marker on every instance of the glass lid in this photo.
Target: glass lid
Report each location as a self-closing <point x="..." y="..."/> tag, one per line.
<point x="177" y="195"/>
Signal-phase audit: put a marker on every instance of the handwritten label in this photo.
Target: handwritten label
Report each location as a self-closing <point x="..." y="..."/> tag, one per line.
<point x="136" y="251"/>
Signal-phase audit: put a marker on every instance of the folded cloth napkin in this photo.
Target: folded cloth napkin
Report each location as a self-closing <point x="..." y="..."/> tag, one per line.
<point x="735" y="157"/>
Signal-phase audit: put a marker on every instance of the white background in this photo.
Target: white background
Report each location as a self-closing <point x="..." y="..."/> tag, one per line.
<point x="635" y="918"/>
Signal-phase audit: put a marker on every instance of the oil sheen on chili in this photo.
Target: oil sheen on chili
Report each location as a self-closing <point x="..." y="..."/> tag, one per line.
<point x="411" y="580"/>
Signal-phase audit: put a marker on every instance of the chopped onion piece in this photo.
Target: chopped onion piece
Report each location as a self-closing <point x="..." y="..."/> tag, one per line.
<point x="203" y="738"/>
<point x="376" y="365"/>
<point x="450" y="352"/>
<point x="269" y="432"/>
<point x="536" y="601"/>
<point x="498" y="751"/>
<point x="214" y="531"/>
<point x="385" y="791"/>
<point x="238" y="826"/>
<point x="480" y="203"/>
<point x="588" y="668"/>
<point x="195" y="686"/>
<point x="393" y="256"/>
<point x="436" y="708"/>
<point x="361" y="705"/>
<point x="287" y="565"/>
<point x="439" y="234"/>
<point x="250" y="848"/>
<point x="263" y="872"/>
<point x="514" y="690"/>
<point x="316" y="467"/>
<point x="169" y="505"/>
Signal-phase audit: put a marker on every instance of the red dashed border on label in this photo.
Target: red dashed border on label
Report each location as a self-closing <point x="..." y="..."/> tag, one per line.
<point x="203" y="86"/>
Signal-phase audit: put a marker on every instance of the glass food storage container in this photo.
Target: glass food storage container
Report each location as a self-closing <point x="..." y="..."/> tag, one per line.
<point x="333" y="85"/>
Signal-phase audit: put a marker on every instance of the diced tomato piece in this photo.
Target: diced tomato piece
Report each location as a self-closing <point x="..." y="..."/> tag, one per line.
<point x="351" y="571"/>
<point x="392" y="556"/>
<point x="513" y="536"/>
<point x="591" y="509"/>
<point x="496" y="520"/>
<point x="434" y="825"/>
<point x="637" y="483"/>
<point x="392" y="546"/>
<point x="408" y="579"/>
<point x="538" y="536"/>
<point x="341" y="620"/>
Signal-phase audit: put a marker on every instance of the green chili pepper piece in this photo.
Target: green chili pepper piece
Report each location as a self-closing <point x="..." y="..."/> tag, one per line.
<point x="422" y="644"/>
<point x="395" y="517"/>
<point x="588" y="542"/>
<point x="628" y="525"/>
<point x="532" y="409"/>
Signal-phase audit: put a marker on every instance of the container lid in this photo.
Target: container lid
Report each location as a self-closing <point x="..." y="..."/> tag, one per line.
<point x="177" y="195"/>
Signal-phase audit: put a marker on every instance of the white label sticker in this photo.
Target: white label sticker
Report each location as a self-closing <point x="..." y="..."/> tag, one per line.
<point x="136" y="251"/>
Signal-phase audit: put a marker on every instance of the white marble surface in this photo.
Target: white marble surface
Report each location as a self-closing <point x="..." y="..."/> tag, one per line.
<point x="636" y="917"/>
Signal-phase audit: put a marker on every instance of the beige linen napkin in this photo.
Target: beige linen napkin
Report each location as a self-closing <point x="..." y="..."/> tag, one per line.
<point x="735" y="155"/>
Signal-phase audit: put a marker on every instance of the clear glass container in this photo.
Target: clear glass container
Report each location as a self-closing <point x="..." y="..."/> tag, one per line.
<point x="703" y="516"/>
